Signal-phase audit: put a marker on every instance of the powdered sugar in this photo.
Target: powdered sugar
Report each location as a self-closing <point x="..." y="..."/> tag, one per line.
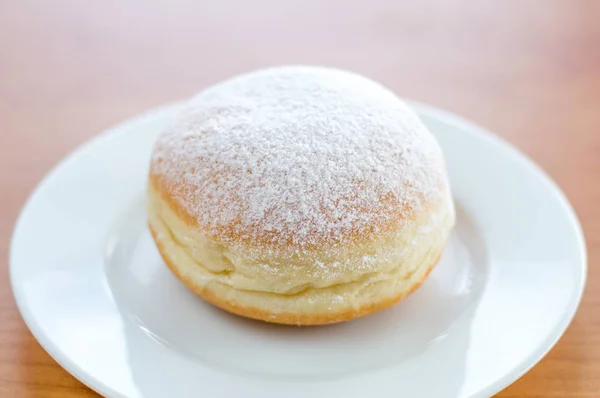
<point x="298" y="156"/>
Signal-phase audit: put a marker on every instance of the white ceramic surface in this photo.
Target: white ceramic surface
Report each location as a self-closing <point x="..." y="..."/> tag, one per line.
<point x="92" y="289"/>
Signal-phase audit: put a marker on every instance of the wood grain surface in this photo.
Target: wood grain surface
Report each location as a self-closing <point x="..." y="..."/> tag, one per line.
<point x="528" y="70"/>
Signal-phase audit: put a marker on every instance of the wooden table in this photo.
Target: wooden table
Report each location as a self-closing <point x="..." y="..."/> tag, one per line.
<point x="528" y="70"/>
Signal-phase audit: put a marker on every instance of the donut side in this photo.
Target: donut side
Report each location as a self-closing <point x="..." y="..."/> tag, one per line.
<point x="243" y="288"/>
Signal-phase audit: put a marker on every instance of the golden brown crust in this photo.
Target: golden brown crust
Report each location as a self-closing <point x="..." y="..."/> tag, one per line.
<point x="397" y="213"/>
<point x="168" y="194"/>
<point x="287" y="318"/>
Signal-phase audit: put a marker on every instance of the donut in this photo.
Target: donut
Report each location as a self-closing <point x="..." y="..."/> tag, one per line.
<point x="299" y="195"/>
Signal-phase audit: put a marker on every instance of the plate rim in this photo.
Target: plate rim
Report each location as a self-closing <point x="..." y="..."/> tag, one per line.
<point x="463" y="124"/>
<point x="519" y="156"/>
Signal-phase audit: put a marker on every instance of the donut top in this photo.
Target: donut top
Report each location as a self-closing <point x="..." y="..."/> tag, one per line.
<point x="299" y="156"/>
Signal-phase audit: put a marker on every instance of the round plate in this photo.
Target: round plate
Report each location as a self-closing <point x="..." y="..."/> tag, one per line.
<point x="93" y="290"/>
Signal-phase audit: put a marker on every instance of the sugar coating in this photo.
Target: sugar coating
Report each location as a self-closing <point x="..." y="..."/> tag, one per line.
<point x="300" y="156"/>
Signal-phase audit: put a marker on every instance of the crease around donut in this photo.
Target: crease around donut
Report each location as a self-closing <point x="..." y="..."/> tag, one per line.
<point x="216" y="276"/>
<point x="306" y="287"/>
<point x="291" y="318"/>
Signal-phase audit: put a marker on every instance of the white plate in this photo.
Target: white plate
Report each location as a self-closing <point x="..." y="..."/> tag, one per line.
<point x="92" y="288"/>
